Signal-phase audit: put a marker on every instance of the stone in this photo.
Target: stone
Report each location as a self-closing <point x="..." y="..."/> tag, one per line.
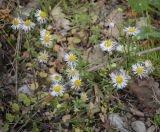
<point x="138" y="126"/>
<point x="116" y="121"/>
<point x="151" y="129"/>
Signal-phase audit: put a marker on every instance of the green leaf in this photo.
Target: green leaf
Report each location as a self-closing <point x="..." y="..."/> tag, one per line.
<point x="148" y="33"/>
<point x="156" y="3"/>
<point x="22" y="97"/>
<point x="15" y="107"/>
<point x="9" y="117"/>
<point x="34" y="127"/>
<point x="139" y="5"/>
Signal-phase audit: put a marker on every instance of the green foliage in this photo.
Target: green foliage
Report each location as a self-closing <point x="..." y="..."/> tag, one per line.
<point x="15" y="107"/>
<point x="148" y="33"/>
<point x="10" y="117"/>
<point x="34" y="127"/>
<point x="80" y="19"/>
<point x="139" y="5"/>
<point x="144" y="5"/>
<point x="156" y="120"/>
<point x="22" y="97"/>
<point x="156" y="3"/>
<point x="78" y="104"/>
<point x="94" y="39"/>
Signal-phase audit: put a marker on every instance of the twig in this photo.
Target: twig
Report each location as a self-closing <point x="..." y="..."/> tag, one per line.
<point x="148" y="51"/>
<point x="97" y="67"/>
<point x="17" y="54"/>
<point x="27" y="121"/>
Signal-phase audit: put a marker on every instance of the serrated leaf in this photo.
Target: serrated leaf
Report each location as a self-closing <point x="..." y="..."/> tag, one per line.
<point x="22" y="97"/>
<point x="10" y="117"/>
<point x="15" y="107"/>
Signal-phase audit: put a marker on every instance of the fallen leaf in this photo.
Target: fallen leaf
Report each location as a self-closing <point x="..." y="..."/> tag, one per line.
<point x="25" y="55"/>
<point x="43" y="74"/>
<point x="59" y="17"/>
<point x="66" y="117"/>
<point x="147" y="91"/>
<point x="34" y="86"/>
<point x="131" y="13"/>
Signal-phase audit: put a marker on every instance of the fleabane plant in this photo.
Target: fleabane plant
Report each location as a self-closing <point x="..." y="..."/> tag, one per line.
<point x="139" y="70"/>
<point x="43" y="57"/>
<point x="57" y="90"/>
<point x="41" y="16"/>
<point x="131" y="31"/>
<point x="17" y="23"/>
<point x="27" y="25"/>
<point x="108" y="45"/>
<point x="119" y="79"/>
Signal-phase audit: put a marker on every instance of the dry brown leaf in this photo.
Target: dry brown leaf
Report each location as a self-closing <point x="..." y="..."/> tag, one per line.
<point x="25" y="55"/>
<point x="58" y="66"/>
<point x="59" y="18"/>
<point x="4" y="13"/>
<point x="34" y="86"/>
<point x="66" y="117"/>
<point x="131" y="13"/>
<point x="43" y="74"/>
<point x="147" y="91"/>
<point x="56" y="48"/>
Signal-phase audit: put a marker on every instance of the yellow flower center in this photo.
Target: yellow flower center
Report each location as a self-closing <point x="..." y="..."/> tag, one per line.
<point x="72" y="58"/>
<point x="72" y="72"/>
<point x="122" y="49"/>
<point x="119" y="79"/>
<point x="57" y="88"/>
<point x="43" y="14"/>
<point x="139" y="70"/>
<point x="132" y="29"/>
<point x="77" y="83"/>
<point x="27" y="23"/>
<point x="44" y="56"/>
<point x="46" y="38"/>
<point x="57" y="77"/>
<point x="16" y="22"/>
<point x="108" y="43"/>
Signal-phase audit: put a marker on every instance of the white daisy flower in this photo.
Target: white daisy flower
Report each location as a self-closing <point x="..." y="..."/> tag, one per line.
<point x="139" y="70"/>
<point x="43" y="57"/>
<point x="55" y="77"/>
<point x="119" y="79"/>
<point x="44" y="32"/>
<point x="70" y="58"/>
<point x="107" y="45"/>
<point x="41" y="16"/>
<point x="17" y="23"/>
<point x="46" y="40"/>
<point x="76" y="83"/>
<point x="131" y="30"/>
<point x="57" y="90"/>
<point x="121" y="48"/>
<point x="27" y="25"/>
<point x="149" y="66"/>
<point x="72" y="72"/>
